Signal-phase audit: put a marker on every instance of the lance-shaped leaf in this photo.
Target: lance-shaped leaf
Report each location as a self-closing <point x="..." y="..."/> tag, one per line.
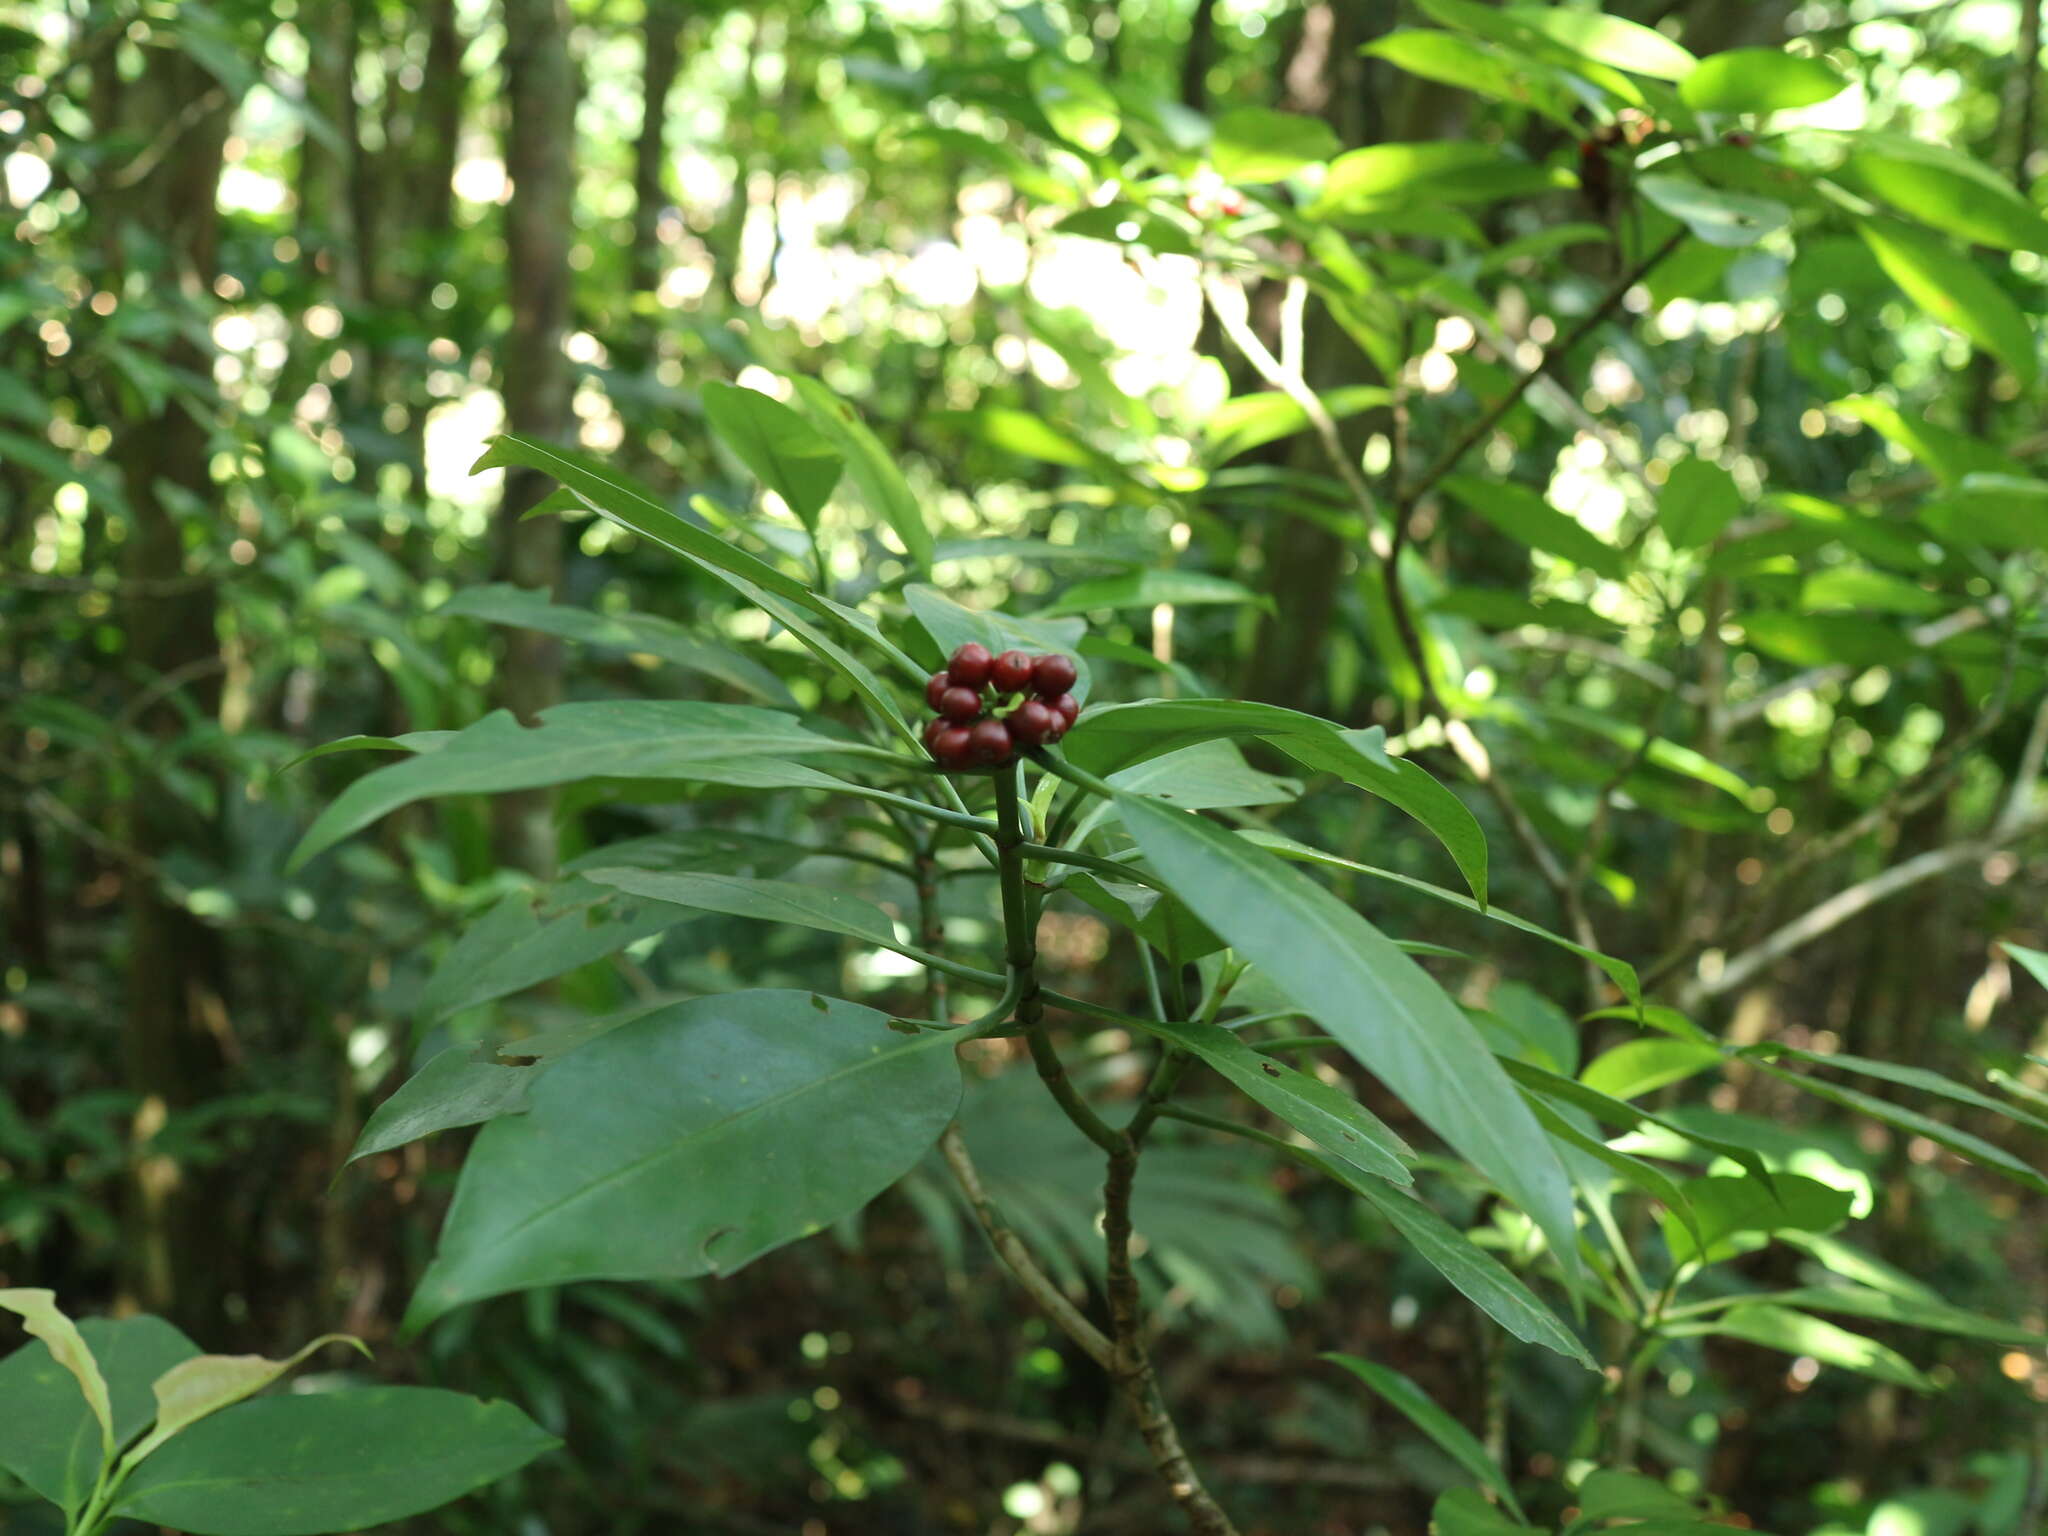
<point x="205" y="1384"/>
<point x="1327" y="1116"/>
<point x="629" y="738"/>
<point x="1620" y="1495"/>
<point x="639" y="633"/>
<point x="1121" y="735"/>
<point x="870" y="466"/>
<point x="458" y="1087"/>
<point x="510" y="949"/>
<point x="1726" y="1208"/>
<point x="1954" y="290"/>
<point x="1421" y="1410"/>
<point x="1150" y="588"/>
<point x="53" y="1441"/>
<point x="689" y="1142"/>
<point x="1795" y="1333"/>
<point x="1637" y="1067"/>
<point x="771" y="901"/>
<point x="1528" y="519"/>
<point x="1759" y="80"/>
<point x="1343" y="972"/>
<point x="39" y="1314"/>
<point x="786" y="453"/>
<point x="329" y="1461"/>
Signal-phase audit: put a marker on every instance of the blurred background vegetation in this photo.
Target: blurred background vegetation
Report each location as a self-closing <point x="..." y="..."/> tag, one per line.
<point x="277" y="271"/>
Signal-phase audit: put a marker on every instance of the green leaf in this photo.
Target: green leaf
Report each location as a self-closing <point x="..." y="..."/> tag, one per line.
<point x="1204" y="777"/>
<point x="1420" y="1409"/>
<point x="1907" y="1312"/>
<point x="197" y="1388"/>
<point x="1860" y="588"/>
<point x="1440" y="171"/>
<point x="1250" y="145"/>
<point x="1653" y="1181"/>
<point x="53" y="1440"/>
<point x="1466" y="1512"/>
<point x="1972" y="1148"/>
<point x="1794" y="1333"/>
<point x="1948" y="455"/>
<point x="633" y="738"/>
<point x="1759" y="80"/>
<point x="688" y="1142"/>
<point x="1625" y="1116"/>
<point x="511" y="949"/>
<point x="1955" y="291"/>
<point x="341" y="1461"/>
<point x="618" y="499"/>
<point x="1637" y="1067"/>
<point x="1386" y="1010"/>
<point x="1079" y="106"/>
<point x="1825" y="639"/>
<point x="1713" y="215"/>
<point x="635" y="632"/>
<point x="1610" y="40"/>
<point x="2034" y="961"/>
<point x="1618" y="1495"/>
<point x="1619" y="971"/>
<point x="2002" y="511"/>
<point x="786" y="453"/>
<point x="1906" y="1077"/>
<point x="457" y="1087"/>
<point x="951" y="626"/>
<point x="1128" y="224"/>
<point x="1725" y="1207"/>
<point x="1147" y="589"/>
<point x="772" y="901"/>
<point x="1245" y="422"/>
<point x="870" y="466"/>
<point x="1328" y="1116"/>
<point x="1450" y="59"/>
<point x="1528" y="519"/>
<point x="40" y="1315"/>
<point x="1699" y="500"/>
<point x="1161" y="920"/>
<point x="1949" y="191"/>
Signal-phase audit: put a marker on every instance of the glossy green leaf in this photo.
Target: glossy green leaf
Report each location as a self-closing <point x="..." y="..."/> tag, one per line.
<point x="786" y="453"/>
<point x="800" y="903"/>
<point x="1421" y="1410"/>
<point x="1386" y="1010"/>
<point x="613" y="496"/>
<point x="458" y="1087"/>
<point x="870" y="466"/>
<point x="1610" y="40"/>
<point x="1950" y="191"/>
<point x="1716" y="216"/>
<point x="1326" y="1115"/>
<point x="1451" y="59"/>
<point x="1466" y="1512"/>
<point x="1528" y="519"/>
<point x="639" y="633"/>
<point x="1442" y="171"/>
<point x="1620" y="972"/>
<point x="1621" y="1495"/>
<point x="1759" y="80"/>
<point x="1726" y="1207"/>
<point x="631" y="738"/>
<point x="1148" y="589"/>
<point x="1698" y="501"/>
<point x="511" y="948"/>
<point x="1636" y="1067"/>
<point x="1250" y="145"/>
<point x="339" y="1461"/>
<point x="1954" y="290"/>
<point x="1204" y="777"/>
<point x="2002" y="511"/>
<point x="52" y="1440"/>
<point x="686" y="1143"/>
<point x="1125" y="734"/>
<point x="1907" y="1312"/>
<point x="1245" y="422"/>
<point x="1795" y="1333"/>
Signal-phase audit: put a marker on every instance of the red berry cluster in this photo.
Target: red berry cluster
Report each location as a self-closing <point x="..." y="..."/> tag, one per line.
<point x="965" y="735"/>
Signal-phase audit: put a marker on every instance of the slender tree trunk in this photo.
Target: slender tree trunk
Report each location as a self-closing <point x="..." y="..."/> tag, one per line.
<point x="540" y="88"/>
<point x="171" y="1038"/>
<point x="1199" y="54"/>
<point x="663" y="36"/>
<point x="439" y="134"/>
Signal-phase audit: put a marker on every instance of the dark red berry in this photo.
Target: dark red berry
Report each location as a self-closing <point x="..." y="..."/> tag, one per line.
<point x="1053" y="675"/>
<point x="1030" y="721"/>
<point x="953" y="746"/>
<point x="970" y="665"/>
<point x="960" y="704"/>
<point x="1737" y="140"/>
<point x="936" y="688"/>
<point x="1058" y="727"/>
<point x="989" y="742"/>
<point x="932" y="727"/>
<point x="1012" y="672"/>
<point x="1067" y="707"/>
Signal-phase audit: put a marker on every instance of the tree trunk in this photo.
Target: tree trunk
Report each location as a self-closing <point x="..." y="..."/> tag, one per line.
<point x="1199" y="54"/>
<point x="540" y="87"/>
<point x="171" y="1038"/>
<point x="663" y="36"/>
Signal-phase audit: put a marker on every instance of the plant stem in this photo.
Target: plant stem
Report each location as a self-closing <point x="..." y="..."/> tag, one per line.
<point x="1019" y="930"/>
